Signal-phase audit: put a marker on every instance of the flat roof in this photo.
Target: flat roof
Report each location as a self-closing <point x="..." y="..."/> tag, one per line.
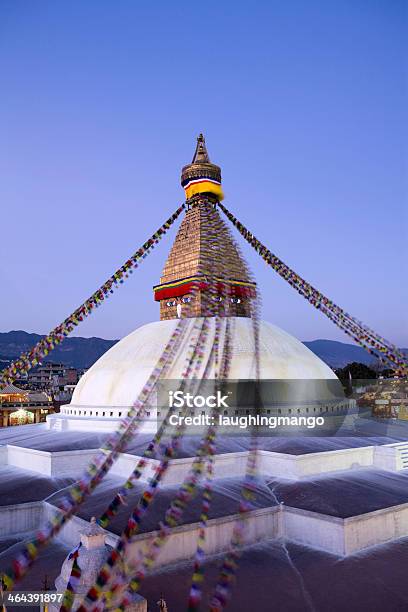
<point x="275" y="575"/>
<point x="18" y="486"/>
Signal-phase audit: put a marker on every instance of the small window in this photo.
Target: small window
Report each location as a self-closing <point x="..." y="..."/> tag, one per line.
<point x="120" y="414"/>
<point x="225" y="412"/>
<point x="111" y="413"/>
<point x="103" y="414"/>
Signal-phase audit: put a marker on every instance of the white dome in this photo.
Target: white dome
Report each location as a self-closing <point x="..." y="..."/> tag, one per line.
<point x="116" y="379"/>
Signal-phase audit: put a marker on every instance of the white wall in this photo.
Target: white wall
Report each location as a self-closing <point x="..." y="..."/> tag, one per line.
<point x="29" y="459"/>
<point x="126" y="463"/>
<point x="332" y="534"/>
<point x="392" y="457"/>
<point x="314" y="529"/>
<point x="345" y="536"/>
<point x="107" y="424"/>
<point x="20" y="518"/>
<point x="71" y="532"/>
<point x="182" y="542"/>
<point x="60" y="463"/>
<point x="71" y="463"/>
<point x="3" y="455"/>
<point x="302" y="466"/>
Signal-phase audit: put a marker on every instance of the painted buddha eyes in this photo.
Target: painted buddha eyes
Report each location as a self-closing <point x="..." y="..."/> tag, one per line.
<point x="186" y="300"/>
<point x="234" y="300"/>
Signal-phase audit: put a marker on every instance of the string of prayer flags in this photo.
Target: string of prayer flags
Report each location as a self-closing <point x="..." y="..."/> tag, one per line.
<point x="35" y="355"/>
<point x="363" y="335"/>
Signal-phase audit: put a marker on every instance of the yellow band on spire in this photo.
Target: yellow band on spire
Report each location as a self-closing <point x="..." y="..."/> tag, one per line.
<point x="203" y="186"/>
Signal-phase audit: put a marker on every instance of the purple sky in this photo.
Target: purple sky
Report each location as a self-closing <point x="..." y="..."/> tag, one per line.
<point x="303" y="104"/>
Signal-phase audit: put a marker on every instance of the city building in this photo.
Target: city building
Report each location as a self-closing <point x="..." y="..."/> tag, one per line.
<point x="52" y="376"/>
<point x="21" y="407"/>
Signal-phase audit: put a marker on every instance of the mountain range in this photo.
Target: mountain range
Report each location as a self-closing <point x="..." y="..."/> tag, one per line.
<point x="83" y="352"/>
<point x="75" y="352"/>
<point x="339" y="354"/>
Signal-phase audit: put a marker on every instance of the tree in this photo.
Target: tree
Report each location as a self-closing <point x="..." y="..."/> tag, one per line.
<point x="357" y="371"/>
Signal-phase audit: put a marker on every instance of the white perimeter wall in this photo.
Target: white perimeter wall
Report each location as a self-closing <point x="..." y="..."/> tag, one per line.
<point x="182" y="542"/>
<point x="375" y="528"/>
<point x="60" y="463"/>
<point x="391" y="457"/>
<point x="328" y="533"/>
<point x="19" y="518"/>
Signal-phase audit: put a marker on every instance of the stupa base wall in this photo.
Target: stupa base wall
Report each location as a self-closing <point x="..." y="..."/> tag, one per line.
<point x="390" y="457"/>
<point x="62" y="422"/>
<point x="340" y="536"/>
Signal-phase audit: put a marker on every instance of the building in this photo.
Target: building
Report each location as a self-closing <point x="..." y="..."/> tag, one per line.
<point x="387" y="398"/>
<point x="46" y="375"/>
<point x="187" y="290"/>
<point x="21" y="407"/>
<point x="89" y="557"/>
<point x="52" y="376"/>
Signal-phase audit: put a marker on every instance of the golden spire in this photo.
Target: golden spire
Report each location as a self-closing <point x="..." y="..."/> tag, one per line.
<point x="201" y="176"/>
<point x="201" y="154"/>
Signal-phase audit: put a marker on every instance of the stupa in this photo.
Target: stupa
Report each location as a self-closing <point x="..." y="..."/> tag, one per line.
<point x="319" y="502"/>
<point x="89" y="556"/>
<point x="105" y="393"/>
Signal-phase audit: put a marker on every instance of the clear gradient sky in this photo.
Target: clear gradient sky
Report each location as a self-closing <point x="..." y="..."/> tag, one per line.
<point x="303" y="104"/>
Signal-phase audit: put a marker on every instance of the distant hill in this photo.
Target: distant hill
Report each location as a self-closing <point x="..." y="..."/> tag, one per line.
<point x="76" y="352"/>
<point x="83" y="352"/>
<point x="339" y="354"/>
